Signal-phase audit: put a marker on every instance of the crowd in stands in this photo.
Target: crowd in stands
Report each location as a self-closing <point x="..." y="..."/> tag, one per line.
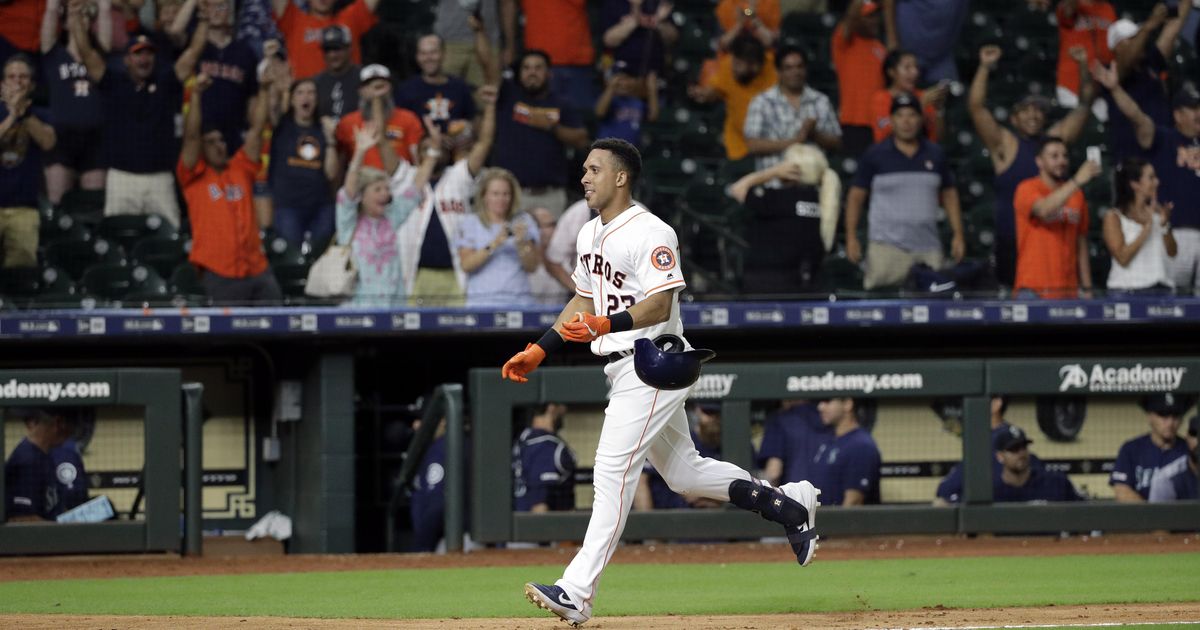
<point x="211" y="151"/>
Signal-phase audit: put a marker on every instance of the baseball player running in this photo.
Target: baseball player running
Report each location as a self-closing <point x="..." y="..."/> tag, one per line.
<point x="627" y="282"/>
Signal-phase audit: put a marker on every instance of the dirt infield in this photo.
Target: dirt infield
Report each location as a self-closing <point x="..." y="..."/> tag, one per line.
<point x="50" y="568"/>
<point x="65" y="567"/>
<point x="930" y="618"/>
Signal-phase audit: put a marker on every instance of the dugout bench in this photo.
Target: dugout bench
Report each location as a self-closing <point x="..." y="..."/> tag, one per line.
<point x="493" y="401"/>
<point x="158" y="393"/>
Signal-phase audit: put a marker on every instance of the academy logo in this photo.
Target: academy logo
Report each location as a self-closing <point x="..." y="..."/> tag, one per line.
<point x="713" y="385"/>
<point x="663" y="258"/>
<point x="855" y="383"/>
<point x="1137" y="378"/>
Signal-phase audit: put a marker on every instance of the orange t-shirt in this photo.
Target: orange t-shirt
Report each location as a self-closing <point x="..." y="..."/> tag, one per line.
<point x="560" y="29"/>
<point x="403" y="129"/>
<point x="21" y="24"/>
<point x="302" y="35"/>
<point x="859" y="65"/>
<point x="1048" y="251"/>
<point x="221" y="208"/>
<point x="1090" y="30"/>
<point x="737" y="100"/>
<point x="767" y="11"/>
<point x="881" y="112"/>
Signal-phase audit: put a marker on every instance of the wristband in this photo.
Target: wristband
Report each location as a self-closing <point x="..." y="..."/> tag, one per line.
<point x="551" y="341"/>
<point x="620" y="322"/>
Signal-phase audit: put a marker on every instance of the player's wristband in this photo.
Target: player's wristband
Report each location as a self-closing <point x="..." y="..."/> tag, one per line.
<point x="551" y="341"/>
<point x="620" y="322"/>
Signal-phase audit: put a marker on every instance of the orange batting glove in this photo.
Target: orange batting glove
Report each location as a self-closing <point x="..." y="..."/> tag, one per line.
<point x="585" y="327"/>
<point x="523" y="363"/>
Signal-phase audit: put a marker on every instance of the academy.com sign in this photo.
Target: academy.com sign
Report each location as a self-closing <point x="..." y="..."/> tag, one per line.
<point x="14" y="391"/>
<point x="1135" y="378"/>
<point x="855" y="383"/>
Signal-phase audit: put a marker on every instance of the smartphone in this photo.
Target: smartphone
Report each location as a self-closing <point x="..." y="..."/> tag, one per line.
<point x="1093" y="155"/>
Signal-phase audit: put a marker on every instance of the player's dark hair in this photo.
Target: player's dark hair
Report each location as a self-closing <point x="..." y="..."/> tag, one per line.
<point x="1047" y="141"/>
<point x="627" y="156"/>
<point x="786" y="51"/>
<point x="891" y="61"/>
<point x="1127" y="172"/>
<point x="748" y="48"/>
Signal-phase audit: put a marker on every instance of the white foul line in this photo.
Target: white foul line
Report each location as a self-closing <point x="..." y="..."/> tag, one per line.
<point x="1109" y="624"/>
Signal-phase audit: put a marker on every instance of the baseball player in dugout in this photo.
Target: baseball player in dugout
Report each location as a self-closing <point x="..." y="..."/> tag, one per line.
<point x="626" y="306"/>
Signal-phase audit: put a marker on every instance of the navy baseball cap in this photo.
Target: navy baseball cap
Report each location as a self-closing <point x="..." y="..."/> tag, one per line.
<point x="335" y="37"/>
<point x="141" y="42"/>
<point x="1167" y="404"/>
<point x="709" y="406"/>
<point x="905" y="99"/>
<point x="1011" y="438"/>
<point x="1185" y="98"/>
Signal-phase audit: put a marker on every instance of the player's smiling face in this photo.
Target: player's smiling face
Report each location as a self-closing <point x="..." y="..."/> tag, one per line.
<point x="599" y="179"/>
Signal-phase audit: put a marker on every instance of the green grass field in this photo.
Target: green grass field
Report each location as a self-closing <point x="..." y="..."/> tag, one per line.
<point x="635" y="589"/>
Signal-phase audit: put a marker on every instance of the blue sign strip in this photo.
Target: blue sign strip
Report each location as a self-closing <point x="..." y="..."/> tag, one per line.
<point x="708" y="315"/>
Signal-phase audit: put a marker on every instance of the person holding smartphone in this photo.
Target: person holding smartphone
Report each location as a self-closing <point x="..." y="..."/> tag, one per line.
<point x="497" y="244"/>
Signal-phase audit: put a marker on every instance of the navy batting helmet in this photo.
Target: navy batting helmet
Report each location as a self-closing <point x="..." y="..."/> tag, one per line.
<point x="665" y="363"/>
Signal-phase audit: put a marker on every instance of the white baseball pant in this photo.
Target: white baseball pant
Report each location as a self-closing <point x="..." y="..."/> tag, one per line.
<point x="639" y="422"/>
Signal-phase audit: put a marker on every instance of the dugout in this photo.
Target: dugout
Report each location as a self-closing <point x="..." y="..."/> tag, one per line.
<point x="153" y="396"/>
<point x="738" y="385"/>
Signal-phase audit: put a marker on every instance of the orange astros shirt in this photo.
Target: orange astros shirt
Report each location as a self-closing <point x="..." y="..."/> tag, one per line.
<point x="302" y="35"/>
<point x="859" y="65"/>
<point x="1047" y="251"/>
<point x="220" y="205"/>
<point x="403" y="129"/>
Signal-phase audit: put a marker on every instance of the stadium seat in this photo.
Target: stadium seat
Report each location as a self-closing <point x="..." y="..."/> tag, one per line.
<point x="280" y="252"/>
<point x="162" y="253"/>
<point x="74" y="256"/>
<point x="58" y="225"/>
<point x="292" y="277"/>
<point x="21" y="284"/>
<point x="127" y="229"/>
<point x="120" y="283"/>
<point x="87" y="206"/>
<point x="185" y="285"/>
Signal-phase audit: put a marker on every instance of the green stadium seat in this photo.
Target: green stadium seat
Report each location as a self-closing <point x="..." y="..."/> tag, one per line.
<point x="292" y="278"/>
<point x="57" y="225"/>
<point x="280" y="252"/>
<point x="162" y="253"/>
<point x="74" y="256"/>
<point x="128" y="229"/>
<point x="113" y="283"/>
<point x="185" y="285"/>
<point x="87" y="206"/>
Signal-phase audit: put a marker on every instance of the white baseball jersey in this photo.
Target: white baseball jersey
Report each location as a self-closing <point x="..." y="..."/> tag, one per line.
<point x="450" y="198"/>
<point x="634" y="256"/>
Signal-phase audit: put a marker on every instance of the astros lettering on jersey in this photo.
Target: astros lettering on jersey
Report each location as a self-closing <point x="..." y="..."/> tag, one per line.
<point x="624" y="262"/>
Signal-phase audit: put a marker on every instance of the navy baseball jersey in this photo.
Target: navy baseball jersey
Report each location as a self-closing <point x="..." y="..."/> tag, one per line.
<point x="1139" y="458"/>
<point x="1042" y="485"/>
<point x="850" y="462"/>
<point x="661" y="494"/>
<point x="951" y="487"/>
<point x="794" y="436"/>
<point x="69" y="475"/>
<point x="30" y="488"/>
<point x="1174" y="482"/>
<point x="543" y="471"/>
<point x="428" y="507"/>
